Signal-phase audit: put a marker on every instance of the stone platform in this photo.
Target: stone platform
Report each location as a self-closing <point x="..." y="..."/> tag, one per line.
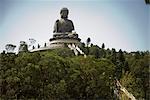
<point x="59" y="43"/>
<point x="60" y="40"/>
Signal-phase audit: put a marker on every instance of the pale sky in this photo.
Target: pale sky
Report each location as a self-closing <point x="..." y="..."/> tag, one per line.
<point x="120" y="24"/>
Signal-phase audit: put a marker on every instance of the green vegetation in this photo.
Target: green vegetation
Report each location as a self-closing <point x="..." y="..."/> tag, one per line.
<point x="58" y="74"/>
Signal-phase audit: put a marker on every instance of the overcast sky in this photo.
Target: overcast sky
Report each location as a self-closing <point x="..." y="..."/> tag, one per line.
<point x="120" y="24"/>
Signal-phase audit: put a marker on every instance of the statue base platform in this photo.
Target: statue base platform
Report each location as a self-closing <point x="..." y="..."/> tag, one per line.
<point x="60" y="41"/>
<point x="63" y="42"/>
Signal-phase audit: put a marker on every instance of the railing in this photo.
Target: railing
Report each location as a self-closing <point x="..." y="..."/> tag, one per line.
<point x="76" y="49"/>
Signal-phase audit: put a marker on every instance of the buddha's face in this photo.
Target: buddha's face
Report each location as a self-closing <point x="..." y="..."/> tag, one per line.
<point x="64" y="14"/>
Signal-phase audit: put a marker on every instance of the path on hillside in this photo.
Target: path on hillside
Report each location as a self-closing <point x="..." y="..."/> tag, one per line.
<point x="119" y="87"/>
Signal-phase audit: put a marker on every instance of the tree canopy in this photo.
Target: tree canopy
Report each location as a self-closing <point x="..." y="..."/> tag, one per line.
<point x="58" y="74"/>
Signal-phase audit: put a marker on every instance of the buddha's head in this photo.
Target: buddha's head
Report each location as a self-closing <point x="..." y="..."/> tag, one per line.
<point x="64" y="13"/>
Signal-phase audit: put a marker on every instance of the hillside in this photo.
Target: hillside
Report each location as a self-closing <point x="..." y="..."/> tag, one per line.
<point x="58" y="74"/>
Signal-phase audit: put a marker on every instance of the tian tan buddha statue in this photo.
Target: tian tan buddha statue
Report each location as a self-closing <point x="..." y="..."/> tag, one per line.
<point x="64" y="27"/>
<point x="64" y="34"/>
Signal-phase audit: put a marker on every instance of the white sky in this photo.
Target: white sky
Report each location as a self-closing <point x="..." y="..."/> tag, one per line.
<point x="119" y="24"/>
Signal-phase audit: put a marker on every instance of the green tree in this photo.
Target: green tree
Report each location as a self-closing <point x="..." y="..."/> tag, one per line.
<point x="133" y="86"/>
<point x="103" y="46"/>
<point x="95" y="51"/>
<point x="88" y="41"/>
<point x="58" y="74"/>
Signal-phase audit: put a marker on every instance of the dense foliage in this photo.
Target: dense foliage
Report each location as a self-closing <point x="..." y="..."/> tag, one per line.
<point x="58" y="74"/>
